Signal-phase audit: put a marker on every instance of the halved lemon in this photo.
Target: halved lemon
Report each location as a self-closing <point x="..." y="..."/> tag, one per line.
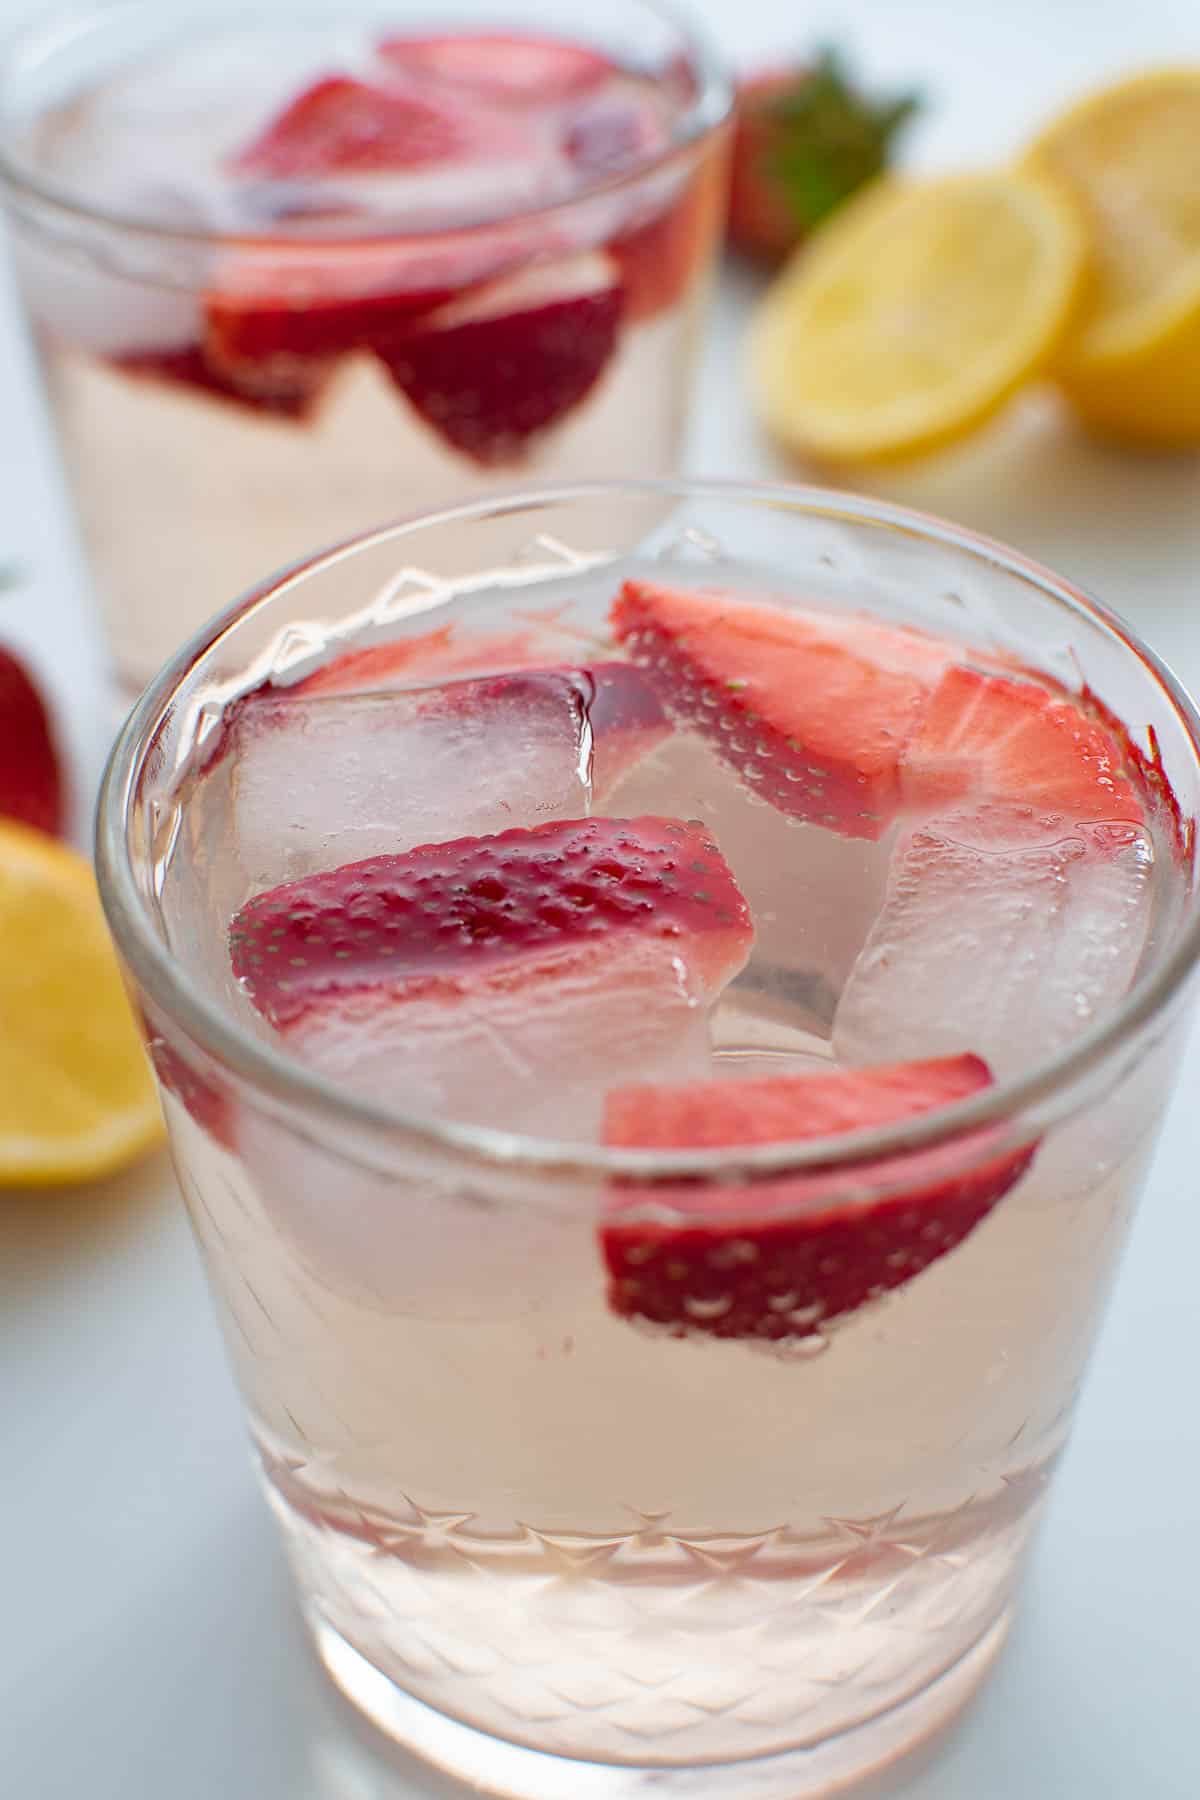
<point x="916" y="313"/>
<point x="1130" y="157"/>
<point x="77" y="1098"/>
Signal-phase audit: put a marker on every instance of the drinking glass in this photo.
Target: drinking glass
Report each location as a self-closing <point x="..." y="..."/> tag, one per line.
<point x="554" y="1553"/>
<point x="245" y="354"/>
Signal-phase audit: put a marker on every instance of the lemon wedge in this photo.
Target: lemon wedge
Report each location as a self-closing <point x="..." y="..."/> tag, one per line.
<point x="916" y="314"/>
<point x="1130" y="157"/>
<point x="77" y="1098"/>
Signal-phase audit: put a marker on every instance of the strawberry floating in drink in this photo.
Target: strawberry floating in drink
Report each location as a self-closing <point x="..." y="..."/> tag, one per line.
<point x="784" y="1256"/>
<point x="492" y="371"/>
<point x="814" y="708"/>
<point x="341" y="125"/>
<point x="997" y="739"/>
<point x="511" y="976"/>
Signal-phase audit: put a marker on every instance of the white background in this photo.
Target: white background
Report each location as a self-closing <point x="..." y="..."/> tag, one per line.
<point x="148" y="1645"/>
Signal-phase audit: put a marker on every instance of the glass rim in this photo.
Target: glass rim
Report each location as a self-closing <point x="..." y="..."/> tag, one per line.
<point x="710" y="108"/>
<point x="271" y="1071"/>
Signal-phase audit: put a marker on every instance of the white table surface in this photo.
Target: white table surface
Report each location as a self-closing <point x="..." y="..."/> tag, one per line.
<point x="149" y="1649"/>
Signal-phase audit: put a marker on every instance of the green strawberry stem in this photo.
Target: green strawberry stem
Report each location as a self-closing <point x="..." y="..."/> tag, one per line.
<point x="831" y="137"/>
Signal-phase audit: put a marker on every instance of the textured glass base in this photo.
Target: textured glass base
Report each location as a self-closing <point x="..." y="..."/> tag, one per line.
<point x="491" y="1766"/>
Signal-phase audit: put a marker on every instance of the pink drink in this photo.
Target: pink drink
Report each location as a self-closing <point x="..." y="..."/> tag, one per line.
<point x="616" y="1469"/>
<point x="290" y="278"/>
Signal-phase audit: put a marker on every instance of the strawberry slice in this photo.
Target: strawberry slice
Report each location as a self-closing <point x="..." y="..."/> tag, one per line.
<point x="508" y="68"/>
<point x="268" y="319"/>
<point x="995" y="739"/>
<point x="813" y="708"/>
<point x="31" y="781"/>
<point x="660" y="254"/>
<point x="208" y="1105"/>
<point x="343" y="126"/>
<point x="433" y="655"/>
<point x="270" y="324"/>
<point x="443" y="919"/>
<point x="507" y="980"/>
<point x="290" y="391"/>
<point x="625" y="714"/>
<point x="492" y="371"/>
<point x="784" y="1256"/>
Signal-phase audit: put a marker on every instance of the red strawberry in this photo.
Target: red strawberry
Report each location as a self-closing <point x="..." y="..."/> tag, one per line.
<point x="814" y="708"/>
<point x="1148" y="773"/>
<point x="289" y="392"/>
<point x="627" y="722"/>
<point x="508" y="68"/>
<point x="492" y="371"/>
<point x="783" y="1256"/>
<point x="31" y="782"/>
<point x="432" y="656"/>
<point x="196" y="1093"/>
<point x="445" y="920"/>
<point x="267" y="325"/>
<point x="805" y="140"/>
<point x="269" y="318"/>
<point x="624" y="712"/>
<point x="343" y="126"/>
<point x="657" y="257"/>
<point x="993" y="738"/>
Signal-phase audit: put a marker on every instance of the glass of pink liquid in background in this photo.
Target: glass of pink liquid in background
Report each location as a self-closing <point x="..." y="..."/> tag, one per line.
<point x="664" y="997"/>
<point x="294" y="271"/>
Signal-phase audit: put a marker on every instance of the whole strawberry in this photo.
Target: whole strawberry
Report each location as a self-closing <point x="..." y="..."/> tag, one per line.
<point x="31" y="783"/>
<point x="806" y="138"/>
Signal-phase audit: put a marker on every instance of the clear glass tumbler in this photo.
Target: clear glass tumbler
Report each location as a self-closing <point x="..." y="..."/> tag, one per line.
<point x="294" y="270"/>
<point x="554" y="1553"/>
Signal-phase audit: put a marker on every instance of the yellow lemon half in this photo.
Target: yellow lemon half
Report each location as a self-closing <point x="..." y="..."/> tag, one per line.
<point x="77" y="1098"/>
<point x="916" y="314"/>
<point x="1130" y="158"/>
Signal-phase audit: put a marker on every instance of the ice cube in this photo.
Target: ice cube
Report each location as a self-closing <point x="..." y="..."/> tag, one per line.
<point x="323" y="780"/>
<point x="1005" y="949"/>
<point x="813" y="894"/>
<point x="522" y="1056"/>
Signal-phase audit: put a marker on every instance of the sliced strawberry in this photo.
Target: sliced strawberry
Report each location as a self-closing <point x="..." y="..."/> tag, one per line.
<point x="491" y="372"/>
<point x="443" y="919"/>
<point x="267" y="317"/>
<point x="995" y="739"/>
<point x="813" y="708"/>
<point x="290" y="392"/>
<point x="1149" y="774"/>
<point x="508" y="68"/>
<point x="31" y="780"/>
<point x="627" y="721"/>
<point x="197" y="1094"/>
<point x="343" y="126"/>
<point x="265" y="325"/>
<point x="432" y="656"/>
<point x="784" y="1256"/>
<point x="625" y="714"/>
<point x="659" y="256"/>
